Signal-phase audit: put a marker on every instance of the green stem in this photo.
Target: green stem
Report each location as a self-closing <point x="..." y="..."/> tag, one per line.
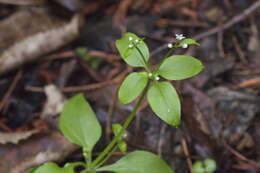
<point x="89" y="160"/>
<point x="107" y="157"/>
<point x="129" y="119"/>
<point x="142" y="55"/>
<point x="165" y="57"/>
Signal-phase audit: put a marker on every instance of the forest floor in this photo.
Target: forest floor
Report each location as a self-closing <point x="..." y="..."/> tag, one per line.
<point x="52" y="50"/>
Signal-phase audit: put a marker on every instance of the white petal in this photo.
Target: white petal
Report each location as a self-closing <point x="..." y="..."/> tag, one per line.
<point x="130" y="45"/>
<point x="185" y="46"/>
<point x="130" y="38"/>
<point x="169" y="45"/>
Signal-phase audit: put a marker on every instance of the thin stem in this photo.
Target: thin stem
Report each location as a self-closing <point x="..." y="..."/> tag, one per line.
<point x="165" y="57"/>
<point x="107" y="157"/>
<point x="89" y="160"/>
<point x="129" y="119"/>
<point x="142" y="55"/>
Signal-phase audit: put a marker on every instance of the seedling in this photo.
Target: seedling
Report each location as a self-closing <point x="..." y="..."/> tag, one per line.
<point x="205" y="166"/>
<point x="79" y="124"/>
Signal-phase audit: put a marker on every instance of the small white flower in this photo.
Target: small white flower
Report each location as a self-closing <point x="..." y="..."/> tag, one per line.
<point x="130" y="38"/>
<point x="125" y="135"/>
<point x="179" y="36"/>
<point x="130" y="45"/>
<point x="150" y="74"/>
<point x="168" y="110"/>
<point x="136" y="41"/>
<point x="184" y="45"/>
<point x="169" y="45"/>
<point x="157" y="78"/>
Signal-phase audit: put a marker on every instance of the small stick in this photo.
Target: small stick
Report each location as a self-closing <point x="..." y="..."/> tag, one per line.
<point x="187" y="155"/>
<point x="215" y="30"/>
<point x="190" y="23"/>
<point x="248" y="83"/>
<point x="230" y="23"/>
<point x="220" y="43"/>
<point x="10" y="90"/>
<point x="239" y="51"/>
<point x="5" y="127"/>
<point x="241" y="157"/>
<point x="75" y="88"/>
<point x="93" y="53"/>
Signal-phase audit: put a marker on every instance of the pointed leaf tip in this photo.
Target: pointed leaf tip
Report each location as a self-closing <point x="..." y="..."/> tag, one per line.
<point x="79" y="124"/>
<point x="165" y="103"/>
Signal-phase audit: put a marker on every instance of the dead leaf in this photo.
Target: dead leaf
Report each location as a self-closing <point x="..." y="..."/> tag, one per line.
<point x="29" y="34"/>
<point x="15" y="137"/>
<point x="54" y="103"/>
<point x="34" y="152"/>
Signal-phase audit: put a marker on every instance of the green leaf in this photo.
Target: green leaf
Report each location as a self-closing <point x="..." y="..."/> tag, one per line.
<point x="132" y="86"/>
<point x="79" y="124"/>
<point x="116" y="129"/>
<point x="31" y="170"/>
<point x="69" y="167"/>
<point x="122" y="146"/>
<point x="49" y="167"/>
<point x="139" y="162"/>
<point x="189" y="41"/>
<point x="210" y="165"/>
<point x="198" y="167"/>
<point x="131" y="55"/>
<point x="180" y="67"/>
<point x="165" y="102"/>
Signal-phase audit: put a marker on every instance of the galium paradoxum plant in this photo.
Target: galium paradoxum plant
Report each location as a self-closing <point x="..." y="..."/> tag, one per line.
<point x="79" y="124"/>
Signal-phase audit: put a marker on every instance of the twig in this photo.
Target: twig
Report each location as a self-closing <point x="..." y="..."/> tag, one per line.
<point x="241" y="157"/>
<point x="5" y="127"/>
<point x="10" y="90"/>
<point x="121" y="11"/>
<point x="248" y="83"/>
<point x="215" y="30"/>
<point x="75" y="88"/>
<point x="190" y="23"/>
<point x="233" y="21"/>
<point x="239" y="51"/>
<point x="93" y="53"/>
<point x="220" y="43"/>
<point x="116" y="80"/>
<point x="186" y="153"/>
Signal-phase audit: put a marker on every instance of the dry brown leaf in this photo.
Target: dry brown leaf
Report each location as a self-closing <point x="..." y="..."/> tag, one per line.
<point x="15" y="137"/>
<point x="29" y="34"/>
<point x="34" y="152"/>
<point x="54" y="103"/>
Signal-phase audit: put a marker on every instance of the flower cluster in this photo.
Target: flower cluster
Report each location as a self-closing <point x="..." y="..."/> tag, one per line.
<point x="151" y="76"/>
<point x="131" y="45"/>
<point x="178" y="37"/>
